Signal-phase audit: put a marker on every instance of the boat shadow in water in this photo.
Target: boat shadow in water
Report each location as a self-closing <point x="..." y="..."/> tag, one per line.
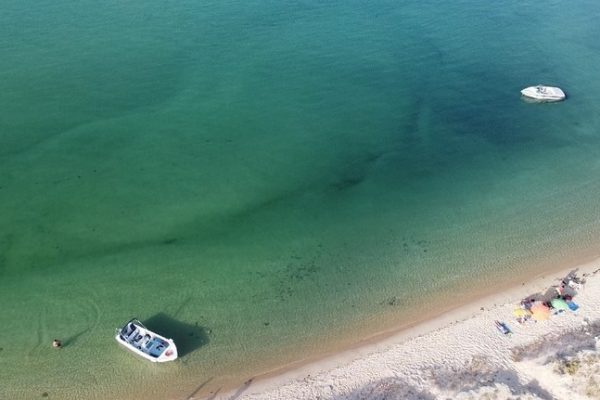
<point x="187" y="337"/>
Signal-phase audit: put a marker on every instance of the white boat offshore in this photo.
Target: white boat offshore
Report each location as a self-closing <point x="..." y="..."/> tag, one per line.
<point x="135" y="337"/>
<point x="544" y="93"/>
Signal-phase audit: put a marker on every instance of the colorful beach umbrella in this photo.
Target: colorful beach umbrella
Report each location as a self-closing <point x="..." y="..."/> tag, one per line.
<point x="559" y="304"/>
<point x="521" y="312"/>
<point x="539" y="311"/>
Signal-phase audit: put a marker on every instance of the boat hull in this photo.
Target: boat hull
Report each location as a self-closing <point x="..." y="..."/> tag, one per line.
<point x="543" y="94"/>
<point x="138" y="339"/>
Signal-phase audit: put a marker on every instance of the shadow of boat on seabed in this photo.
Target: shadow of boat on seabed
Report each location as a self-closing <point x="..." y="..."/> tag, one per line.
<point x="187" y="337"/>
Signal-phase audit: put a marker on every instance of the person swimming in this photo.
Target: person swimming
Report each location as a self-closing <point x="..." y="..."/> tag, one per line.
<point x="57" y="344"/>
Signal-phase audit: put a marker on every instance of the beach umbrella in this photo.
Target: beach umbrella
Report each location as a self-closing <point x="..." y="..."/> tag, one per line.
<point x="539" y="311"/>
<point x="559" y="304"/>
<point x="521" y="312"/>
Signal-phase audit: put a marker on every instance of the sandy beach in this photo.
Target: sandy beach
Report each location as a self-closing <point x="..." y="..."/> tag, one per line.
<point x="461" y="354"/>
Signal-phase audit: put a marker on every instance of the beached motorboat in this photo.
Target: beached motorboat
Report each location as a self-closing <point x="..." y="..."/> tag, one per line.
<point x="135" y="337"/>
<point x="544" y="93"/>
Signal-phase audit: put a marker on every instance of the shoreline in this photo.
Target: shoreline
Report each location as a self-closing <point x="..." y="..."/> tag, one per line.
<point x="298" y="375"/>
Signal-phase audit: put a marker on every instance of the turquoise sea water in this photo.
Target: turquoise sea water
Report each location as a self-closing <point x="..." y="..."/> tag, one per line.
<point x="268" y="181"/>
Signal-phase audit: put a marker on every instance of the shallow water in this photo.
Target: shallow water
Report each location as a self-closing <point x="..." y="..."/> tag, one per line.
<point x="260" y="179"/>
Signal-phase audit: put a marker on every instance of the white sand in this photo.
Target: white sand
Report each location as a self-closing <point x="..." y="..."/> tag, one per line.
<point x="461" y="355"/>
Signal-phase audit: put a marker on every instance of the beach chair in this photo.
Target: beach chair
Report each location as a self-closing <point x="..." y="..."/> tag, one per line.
<point x="502" y="327"/>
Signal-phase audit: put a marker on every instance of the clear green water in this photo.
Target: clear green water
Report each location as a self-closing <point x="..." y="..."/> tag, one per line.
<point x="259" y="178"/>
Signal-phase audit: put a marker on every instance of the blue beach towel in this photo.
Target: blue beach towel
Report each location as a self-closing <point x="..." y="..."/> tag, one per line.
<point x="572" y="305"/>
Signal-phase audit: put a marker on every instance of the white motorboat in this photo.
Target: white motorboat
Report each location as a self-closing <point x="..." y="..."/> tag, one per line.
<point x="135" y="337"/>
<point x="544" y="93"/>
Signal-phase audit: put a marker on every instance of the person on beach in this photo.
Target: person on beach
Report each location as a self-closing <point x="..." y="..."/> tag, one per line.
<point x="57" y="344"/>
